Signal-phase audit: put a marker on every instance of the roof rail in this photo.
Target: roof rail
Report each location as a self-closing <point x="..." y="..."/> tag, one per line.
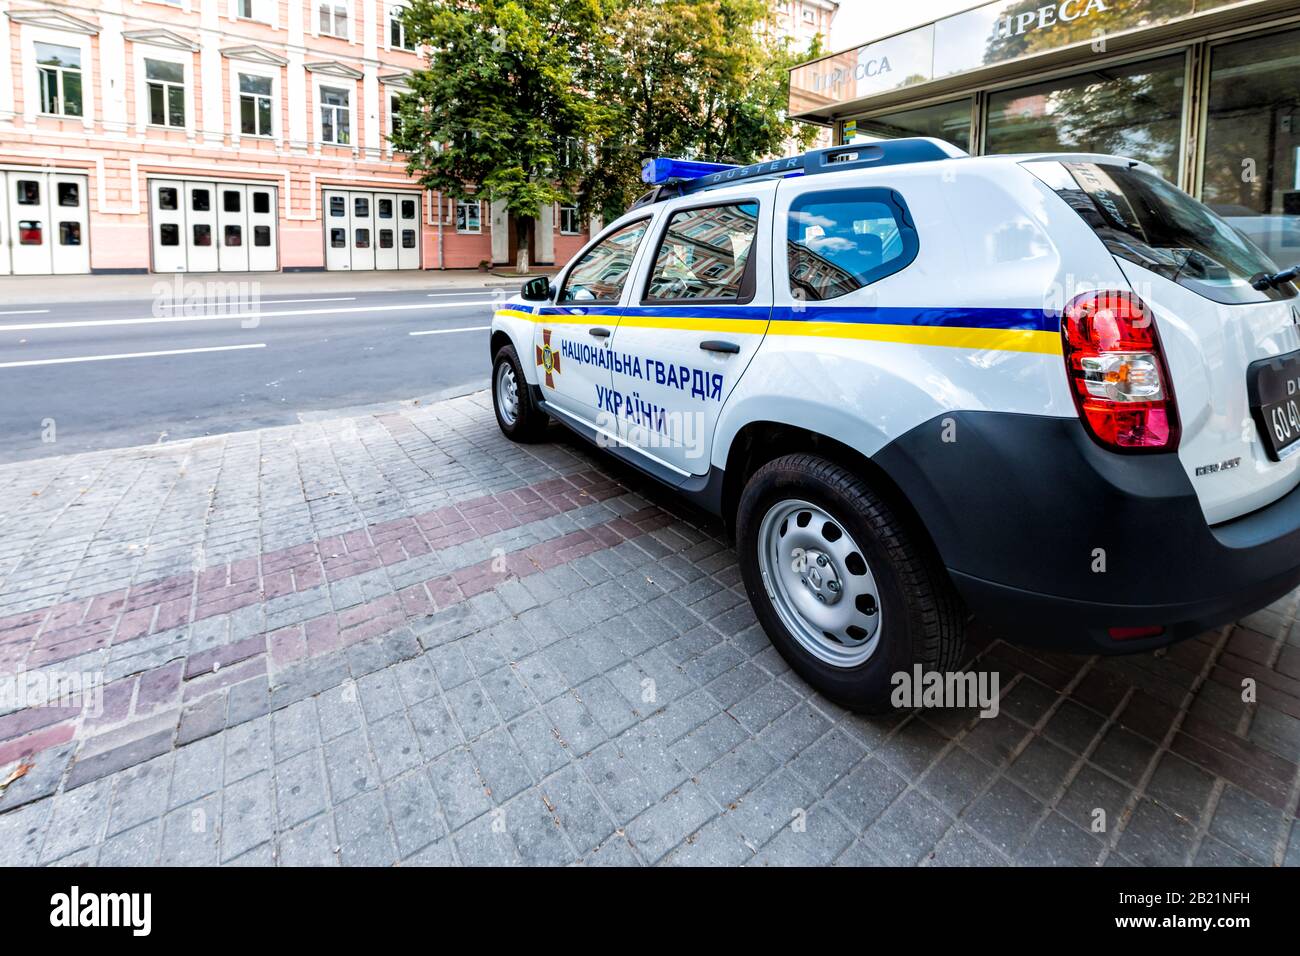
<point x="667" y="174"/>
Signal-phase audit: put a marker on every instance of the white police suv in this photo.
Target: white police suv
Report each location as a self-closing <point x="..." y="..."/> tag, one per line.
<point x="1051" y="392"/>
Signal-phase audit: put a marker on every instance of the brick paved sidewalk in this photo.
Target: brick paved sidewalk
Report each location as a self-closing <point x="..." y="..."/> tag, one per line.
<point x="401" y="638"/>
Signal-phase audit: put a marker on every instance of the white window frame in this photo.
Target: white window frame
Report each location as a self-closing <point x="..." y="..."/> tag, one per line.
<point x="263" y="11"/>
<point x="347" y="86"/>
<point x="559" y="218"/>
<point x="265" y="71"/>
<point x="393" y="92"/>
<point x="469" y="203"/>
<point x="334" y="5"/>
<point x="144" y="51"/>
<point x="166" y="86"/>
<point x="31" y="35"/>
<point x="60" y="73"/>
<point x="388" y="28"/>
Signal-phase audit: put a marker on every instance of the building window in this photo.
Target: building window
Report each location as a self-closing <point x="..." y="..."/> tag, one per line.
<point x="334" y="20"/>
<point x="261" y="235"/>
<point x="28" y="192"/>
<point x="247" y="10"/>
<point x="385" y="207"/>
<point x="166" y="81"/>
<point x="394" y="115"/>
<point x="385" y="238"/>
<point x="261" y="202"/>
<point x="363" y="239"/>
<point x="408" y="208"/>
<point x="361" y="207"/>
<point x="468" y="216"/>
<point x="338" y="206"/>
<point x="29" y="233"/>
<point x="169" y="234"/>
<point x="946" y="121"/>
<point x="69" y="194"/>
<point x="69" y="233"/>
<point x="701" y="257"/>
<point x="397" y="30"/>
<point x="255" y="105"/>
<point x="234" y="235"/>
<point x="334" y="116"/>
<point x="59" y="68"/>
<point x="408" y="238"/>
<point x="200" y="200"/>
<point x="168" y="198"/>
<point x="338" y="238"/>
<point x="1134" y="110"/>
<point x="202" y="234"/>
<point x="569" y="220"/>
<point x="230" y="201"/>
<point x="1253" y="125"/>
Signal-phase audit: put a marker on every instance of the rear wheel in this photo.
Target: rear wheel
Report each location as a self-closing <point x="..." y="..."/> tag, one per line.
<point x="517" y="414"/>
<point x="845" y="589"/>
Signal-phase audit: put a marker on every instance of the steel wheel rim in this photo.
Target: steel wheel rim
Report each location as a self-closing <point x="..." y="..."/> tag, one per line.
<point x="507" y="393"/>
<point x="819" y="583"/>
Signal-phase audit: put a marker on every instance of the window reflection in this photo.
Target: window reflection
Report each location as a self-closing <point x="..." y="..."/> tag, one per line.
<point x="1252" y="141"/>
<point x="1133" y="110"/>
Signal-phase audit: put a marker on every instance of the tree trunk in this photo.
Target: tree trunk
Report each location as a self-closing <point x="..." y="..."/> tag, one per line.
<point x="523" y="229"/>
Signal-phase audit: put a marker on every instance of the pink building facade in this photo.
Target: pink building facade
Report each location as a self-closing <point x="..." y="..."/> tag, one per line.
<point x="224" y="135"/>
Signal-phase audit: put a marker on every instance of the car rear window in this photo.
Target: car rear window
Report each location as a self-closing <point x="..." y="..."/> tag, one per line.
<point x="1145" y="220"/>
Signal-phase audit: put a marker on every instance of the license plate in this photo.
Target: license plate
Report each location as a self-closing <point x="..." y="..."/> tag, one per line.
<point x="1275" y="403"/>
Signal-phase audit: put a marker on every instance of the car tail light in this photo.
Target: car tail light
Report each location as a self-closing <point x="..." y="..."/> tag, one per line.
<point x="1121" y="384"/>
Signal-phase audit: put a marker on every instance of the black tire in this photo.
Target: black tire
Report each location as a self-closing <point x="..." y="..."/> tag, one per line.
<point x="923" y="621"/>
<point x="529" y="424"/>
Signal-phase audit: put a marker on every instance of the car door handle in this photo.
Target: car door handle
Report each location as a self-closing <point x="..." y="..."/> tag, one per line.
<point x="599" y="333"/>
<point x="715" y="345"/>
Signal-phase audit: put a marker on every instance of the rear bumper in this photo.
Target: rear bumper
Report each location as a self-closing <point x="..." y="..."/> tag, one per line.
<point x="1051" y="540"/>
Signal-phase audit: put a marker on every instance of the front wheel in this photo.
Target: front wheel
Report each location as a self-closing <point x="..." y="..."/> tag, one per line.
<point x="517" y="414"/>
<point x="847" y="591"/>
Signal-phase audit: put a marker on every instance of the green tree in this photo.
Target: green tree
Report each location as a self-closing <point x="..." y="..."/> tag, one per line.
<point x="503" y="102"/>
<point x="699" y="79"/>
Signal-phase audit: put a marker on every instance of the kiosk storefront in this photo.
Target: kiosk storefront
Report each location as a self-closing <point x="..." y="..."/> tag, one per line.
<point x="1207" y="91"/>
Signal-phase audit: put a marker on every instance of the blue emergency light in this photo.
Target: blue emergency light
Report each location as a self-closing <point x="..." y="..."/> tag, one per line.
<point x="657" y="171"/>
<point x="683" y="177"/>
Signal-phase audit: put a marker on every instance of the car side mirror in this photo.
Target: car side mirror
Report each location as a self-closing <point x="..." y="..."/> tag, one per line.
<point x="538" y="290"/>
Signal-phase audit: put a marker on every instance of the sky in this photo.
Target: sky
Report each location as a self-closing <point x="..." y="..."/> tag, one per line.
<point x="860" y="21"/>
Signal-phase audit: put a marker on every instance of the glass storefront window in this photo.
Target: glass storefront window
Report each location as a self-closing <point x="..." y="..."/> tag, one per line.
<point x="947" y="121"/>
<point x="1134" y="110"/>
<point x="1251" y="175"/>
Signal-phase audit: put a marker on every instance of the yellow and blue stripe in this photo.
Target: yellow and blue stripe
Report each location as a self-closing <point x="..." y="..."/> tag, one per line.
<point x="1012" y="330"/>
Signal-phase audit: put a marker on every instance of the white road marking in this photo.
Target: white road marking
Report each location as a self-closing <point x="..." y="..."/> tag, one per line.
<point x="438" y="295"/>
<point x="130" y="355"/>
<point x="468" y="328"/>
<point x="25" y="312"/>
<point x="242" y="316"/>
<point x="341" y="298"/>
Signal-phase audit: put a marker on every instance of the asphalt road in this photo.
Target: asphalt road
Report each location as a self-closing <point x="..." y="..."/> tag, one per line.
<point x="92" y="369"/>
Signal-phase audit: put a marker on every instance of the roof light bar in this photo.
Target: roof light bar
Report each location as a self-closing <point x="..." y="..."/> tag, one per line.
<point x="659" y="171"/>
<point x="675" y="177"/>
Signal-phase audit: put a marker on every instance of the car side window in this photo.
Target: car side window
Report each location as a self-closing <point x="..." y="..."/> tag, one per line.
<point x="842" y="240"/>
<point x="705" y="254"/>
<point x="599" y="276"/>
